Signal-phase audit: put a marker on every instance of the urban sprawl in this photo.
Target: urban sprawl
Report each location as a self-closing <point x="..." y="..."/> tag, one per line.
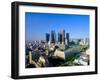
<point x="57" y="50"/>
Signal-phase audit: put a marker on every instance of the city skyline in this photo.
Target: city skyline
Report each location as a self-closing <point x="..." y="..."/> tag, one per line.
<point x="52" y="37"/>
<point x="38" y="24"/>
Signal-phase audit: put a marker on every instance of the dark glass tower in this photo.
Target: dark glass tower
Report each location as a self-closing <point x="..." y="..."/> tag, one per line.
<point x="58" y="37"/>
<point x="67" y="37"/>
<point x="53" y="37"/>
<point x="47" y="37"/>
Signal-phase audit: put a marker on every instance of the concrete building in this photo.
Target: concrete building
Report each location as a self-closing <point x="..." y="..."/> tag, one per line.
<point x="84" y="41"/>
<point x="63" y="36"/>
<point x="59" y="54"/>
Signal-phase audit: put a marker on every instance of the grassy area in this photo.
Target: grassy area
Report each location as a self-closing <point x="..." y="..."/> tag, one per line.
<point x="60" y="62"/>
<point x="70" y="59"/>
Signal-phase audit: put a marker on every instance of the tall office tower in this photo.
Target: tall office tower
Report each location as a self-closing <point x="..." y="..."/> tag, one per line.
<point x="60" y="38"/>
<point x="47" y="37"/>
<point x="67" y="39"/>
<point x="53" y="37"/>
<point x="63" y="36"/>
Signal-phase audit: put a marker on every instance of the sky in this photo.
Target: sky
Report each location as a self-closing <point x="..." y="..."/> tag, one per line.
<point x="38" y="24"/>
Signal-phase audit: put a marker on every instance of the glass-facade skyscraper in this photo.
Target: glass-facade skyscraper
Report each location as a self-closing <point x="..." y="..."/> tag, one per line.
<point x="53" y="36"/>
<point x="60" y="37"/>
<point x="67" y="38"/>
<point x="47" y="37"/>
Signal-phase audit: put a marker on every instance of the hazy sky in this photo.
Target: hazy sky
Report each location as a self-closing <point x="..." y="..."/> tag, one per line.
<point x="37" y="24"/>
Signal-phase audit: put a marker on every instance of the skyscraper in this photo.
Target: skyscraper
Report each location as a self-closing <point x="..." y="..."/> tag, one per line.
<point x="63" y="36"/>
<point x="60" y="37"/>
<point x="47" y="37"/>
<point x="67" y="38"/>
<point x="53" y="37"/>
